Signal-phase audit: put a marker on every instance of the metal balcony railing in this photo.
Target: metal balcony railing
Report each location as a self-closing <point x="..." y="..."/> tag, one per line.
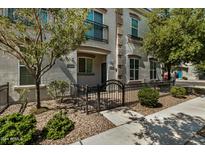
<point x="135" y="37"/>
<point x="97" y="31"/>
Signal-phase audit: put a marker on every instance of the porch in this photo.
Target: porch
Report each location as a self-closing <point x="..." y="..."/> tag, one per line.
<point x="91" y="68"/>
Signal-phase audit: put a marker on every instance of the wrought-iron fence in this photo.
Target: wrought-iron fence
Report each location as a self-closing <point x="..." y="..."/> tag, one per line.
<point x="4" y="97"/>
<point x="113" y="93"/>
<point x="131" y="90"/>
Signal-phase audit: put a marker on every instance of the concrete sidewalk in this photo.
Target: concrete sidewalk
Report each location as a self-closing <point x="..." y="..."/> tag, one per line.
<point x="174" y="125"/>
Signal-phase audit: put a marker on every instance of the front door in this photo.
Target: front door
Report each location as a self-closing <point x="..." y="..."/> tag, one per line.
<point x="103" y="73"/>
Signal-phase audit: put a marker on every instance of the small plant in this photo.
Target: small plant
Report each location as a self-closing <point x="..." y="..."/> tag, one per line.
<point x="58" y="127"/>
<point x="17" y="129"/>
<point x="23" y="98"/>
<point x="184" y="78"/>
<point x="57" y="89"/>
<point x="178" y="91"/>
<point x="148" y="97"/>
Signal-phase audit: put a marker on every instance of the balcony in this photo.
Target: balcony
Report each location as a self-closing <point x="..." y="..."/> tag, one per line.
<point x="135" y="39"/>
<point x="97" y="31"/>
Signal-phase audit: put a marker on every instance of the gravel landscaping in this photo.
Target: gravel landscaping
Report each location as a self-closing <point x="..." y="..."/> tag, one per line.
<point x="164" y="102"/>
<point x="85" y="125"/>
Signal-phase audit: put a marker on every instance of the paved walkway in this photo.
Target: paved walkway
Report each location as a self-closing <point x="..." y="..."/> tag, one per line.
<point x="175" y="125"/>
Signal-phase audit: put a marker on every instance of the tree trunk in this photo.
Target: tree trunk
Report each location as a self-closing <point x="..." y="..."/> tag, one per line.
<point x="169" y="71"/>
<point x="38" y="100"/>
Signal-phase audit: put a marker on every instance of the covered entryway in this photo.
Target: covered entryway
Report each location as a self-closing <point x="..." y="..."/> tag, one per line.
<point x="91" y="67"/>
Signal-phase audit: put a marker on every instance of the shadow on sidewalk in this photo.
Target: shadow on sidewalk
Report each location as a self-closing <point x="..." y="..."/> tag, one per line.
<point x="174" y="130"/>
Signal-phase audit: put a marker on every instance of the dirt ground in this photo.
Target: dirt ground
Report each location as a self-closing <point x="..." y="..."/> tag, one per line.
<point x="165" y="102"/>
<point x="85" y="125"/>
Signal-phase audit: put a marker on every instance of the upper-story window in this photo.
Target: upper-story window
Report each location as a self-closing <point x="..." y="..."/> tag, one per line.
<point x="11" y="14"/>
<point x="43" y="14"/>
<point x="96" y="20"/>
<point x="134" y="27"/>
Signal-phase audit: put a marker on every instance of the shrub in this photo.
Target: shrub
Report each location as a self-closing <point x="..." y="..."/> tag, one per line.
<point x="17" y="129"/>
<point x="178" y="91"/>
<point x="58" y="127"/>
<point x="57" y="89"/>
<point x="148" y="97"/>
<point x="184" y="78"/>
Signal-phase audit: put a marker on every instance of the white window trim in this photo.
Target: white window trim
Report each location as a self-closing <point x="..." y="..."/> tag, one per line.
<point x="131" y="27"/>
<point x="134" y="69"/>
<point x="86" y="65"/>
<point x="153" y="70"/>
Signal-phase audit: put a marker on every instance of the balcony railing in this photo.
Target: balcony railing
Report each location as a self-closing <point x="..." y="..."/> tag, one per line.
<point x="97" y="31"/>
<point x="135" y="37"/>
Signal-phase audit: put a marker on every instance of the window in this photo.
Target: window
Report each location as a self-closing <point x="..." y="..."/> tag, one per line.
<point x="25" y="77"/>
<point x="43" y="16"/>
<point x="134" y="69"/>
<point x="153" y="70"/>
<point x="134" y="27"/>
<point x="97" y="27"/>
<point x="85" y="65"/>
<point x="11" y="14"/>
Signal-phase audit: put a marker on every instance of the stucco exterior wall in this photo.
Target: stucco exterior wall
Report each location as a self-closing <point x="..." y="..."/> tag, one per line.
<point x="109" y="20"/>
<point x="136" y="48"/>
<point x="9" y="68"/>
<point x="66" y="69"/>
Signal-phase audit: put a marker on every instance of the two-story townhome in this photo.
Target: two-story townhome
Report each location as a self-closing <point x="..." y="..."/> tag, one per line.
<point x="113" y="50"/>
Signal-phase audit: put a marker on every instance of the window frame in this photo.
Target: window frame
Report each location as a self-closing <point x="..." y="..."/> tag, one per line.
<point x="135" y="28"/>
<point x="19" y="74"/>
<point x="13" y="17"/>
<point x="134" y="69"/>
<point x="93" y="28"/>
<point x="85" y="67"/>
<point x="41" y="15"/>
<point x="94" y="17"/>
<point x="153" y="70"/>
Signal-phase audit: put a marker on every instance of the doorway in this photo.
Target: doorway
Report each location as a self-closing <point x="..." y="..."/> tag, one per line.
<point x="103" y="73"/>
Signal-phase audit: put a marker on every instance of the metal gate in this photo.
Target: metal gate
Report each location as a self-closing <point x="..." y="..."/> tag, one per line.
<point x="109" y="95"/>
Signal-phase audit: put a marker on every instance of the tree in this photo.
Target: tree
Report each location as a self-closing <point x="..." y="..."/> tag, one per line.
<point x="176" y="36"/>
<point x="38" y="44"/>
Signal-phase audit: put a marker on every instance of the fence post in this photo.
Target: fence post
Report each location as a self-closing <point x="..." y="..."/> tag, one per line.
<point x="86" y="107"/>
<point x="123" y="95"/>
<point x="98" y="98"/>
<point x="154" y="83"/>
<point x="76" y="95"/>
<point x="174" y="82"/>
<point x="7" y="93"/>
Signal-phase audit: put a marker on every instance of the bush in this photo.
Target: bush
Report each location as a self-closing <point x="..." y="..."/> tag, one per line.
<point x="184" y="78"/>
<point x="177" y="91"/>
<point x="58" y="127"/>
<point x="148" y="97"/>
<point x="17" y="129"/>
<point x="57" y="89"/>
